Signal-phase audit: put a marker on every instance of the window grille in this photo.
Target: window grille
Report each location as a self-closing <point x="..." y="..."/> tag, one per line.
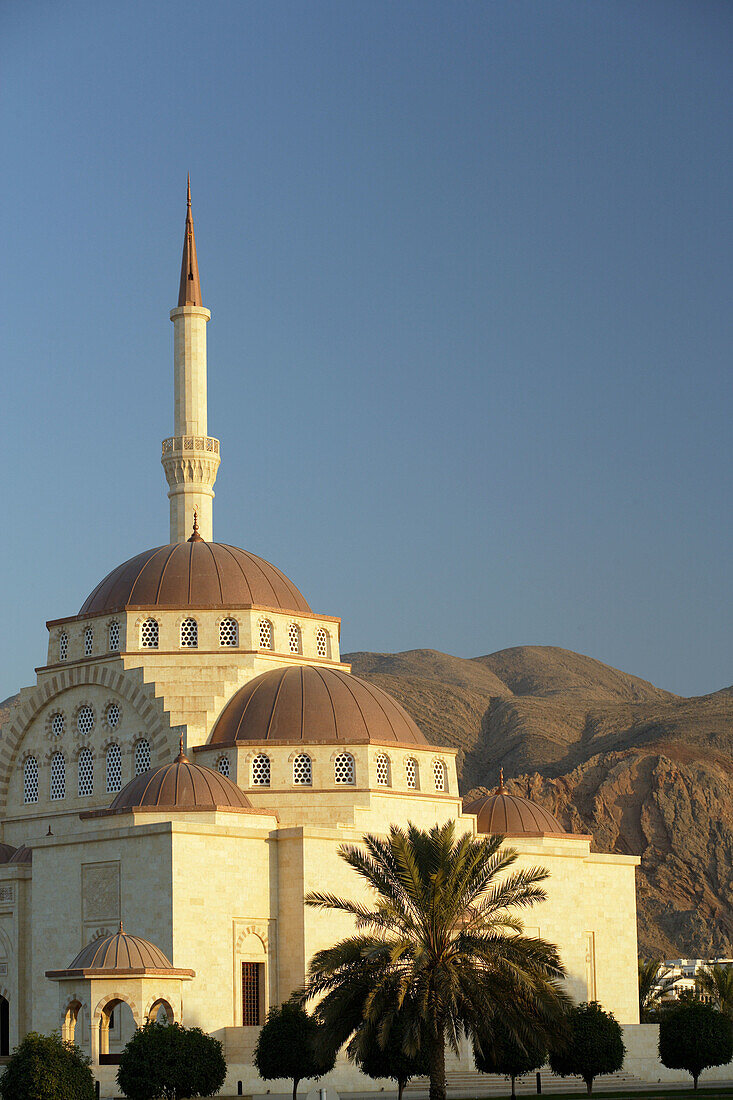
<point x="261" y="770"/>
<point x="88" y="641"/>
<point x="30" y="780"/>
<point x="250" y="994"/>
<point x="302" y="769"/>
<point x="58" y="776"/>
<point x="149" y="634"/>
<point x="294" y="638"/>
<point x="228" y="632"/>
<point x="265" y="634"/>
<point x="86" y="773"/>
<point x="113" y="635"/>
<point x="321" y="642"/>
<point x="222" y="766"/>
<point x="383" y="770"/>
<point x="411" y="773"/>
<point x="63" y="646"/>
<point x="85" y="720"/>
<point x="142" y="757"/>
<point x="57" y="725"/>
<point x="113" y="715"/>
<point x="189" y="634"/>
<point x="114" y="769"/>
<point x="439" y="775"/>
<point x="343" y="768"/>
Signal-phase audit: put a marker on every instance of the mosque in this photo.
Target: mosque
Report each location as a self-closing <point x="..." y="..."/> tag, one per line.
<point x="184" y="770"/>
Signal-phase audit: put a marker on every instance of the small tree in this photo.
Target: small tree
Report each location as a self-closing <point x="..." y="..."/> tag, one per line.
<point x="594" y="1045"/>
<point x="385" y="1055"/>
<point x="694" y="1037"/>
<point x="44" y="1067"/>
<point x="498" y="1050"/>
<point x="291" y="1045"/>
<point x="172" y="1062"/>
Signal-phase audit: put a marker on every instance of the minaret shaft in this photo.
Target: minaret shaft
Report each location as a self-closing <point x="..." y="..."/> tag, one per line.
<point x="191" y="457"/>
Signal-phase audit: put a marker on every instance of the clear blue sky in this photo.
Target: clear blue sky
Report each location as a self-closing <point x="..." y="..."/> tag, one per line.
<point x="469" y="266"/>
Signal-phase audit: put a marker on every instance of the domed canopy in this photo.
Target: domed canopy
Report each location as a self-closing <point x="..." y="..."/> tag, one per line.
<point x="180" y="785"/>
<point x="24" y="854"/>
<point x="118" y="955"/>
<point x="7" y="851"/>
<point x="317" y="705"/>
<point x="195" y="574"/>
<point x="510" y="815"/>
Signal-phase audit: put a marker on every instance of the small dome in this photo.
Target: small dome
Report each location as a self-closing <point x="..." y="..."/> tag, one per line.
<point x="195" y="574"/>
<point x="7" y="851"/>
<point x="120" y="952"/>
<point x="315" y="705"/>
<point x="22" y="855"/>
<point x="180" y="785"/>
<point x="511" y="815"/>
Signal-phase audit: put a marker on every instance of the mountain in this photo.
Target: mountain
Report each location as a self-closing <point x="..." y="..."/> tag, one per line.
<point x="644" y="771"/>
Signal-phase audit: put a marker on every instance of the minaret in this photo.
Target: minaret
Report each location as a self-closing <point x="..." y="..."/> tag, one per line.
<point x="191" y="457"/>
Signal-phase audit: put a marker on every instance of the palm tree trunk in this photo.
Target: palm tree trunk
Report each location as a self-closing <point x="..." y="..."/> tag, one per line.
<point x="436" y="1061"/>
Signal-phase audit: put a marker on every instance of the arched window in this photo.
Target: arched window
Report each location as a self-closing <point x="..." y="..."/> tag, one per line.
<point x="302" y="769"/>
<point x="114" y="769"/>
<point x="30" y="780"/>
<point x="113" y="636"/>
<point x="294" y="638"/>
<point x="265" y="634"/>
<point x="261" y="770"/>
<point x="343" y="768"/>
<point x="85" y="720"/>
<point x="189" y="634"/>
<point x="88" y="641"/>
<point x="228" y="632"/>
<point x="222" y="766"/>
<point x="411" y="773"/>
<point x="149" y="634"/>
<point x="322" y="643"/>
<point x="113" y="715"/>
<point x="86" y="773"/>
<point x="439" y="775"/>
<point x="383" y="770"/>
<point x="141" y="756"/>
<point x="63" y="646"/>
<point x="58" y="776"/>
<point x="57" y="725"/>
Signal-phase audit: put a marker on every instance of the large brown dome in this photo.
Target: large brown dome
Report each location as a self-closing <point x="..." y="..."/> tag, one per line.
<point x="303" y="703"/>
<point x="508" y="814"/>
<point x="195" y="574"/>
<point x="120" y="951"/>
<point x="180" y="785"/>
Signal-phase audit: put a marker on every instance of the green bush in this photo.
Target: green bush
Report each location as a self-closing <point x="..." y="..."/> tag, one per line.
<point x="44" y="1067"/>
<point x="594" y="1045"/>
<point x="498" y="1050"/>
<point x="171" y="1062"/>
<point x="694" y="1037"/>
<point x="290" y="1045"/>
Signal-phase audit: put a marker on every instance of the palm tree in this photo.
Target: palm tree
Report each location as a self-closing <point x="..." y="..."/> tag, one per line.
<point x="439" y="943"/>
<point x="716" y="983"/>
<point x="654" y="984"/>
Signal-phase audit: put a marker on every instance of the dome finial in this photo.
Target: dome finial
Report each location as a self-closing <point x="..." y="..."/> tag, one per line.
<point x="195" y="537"/>
<point x="501" y="786"/>
<point x="181" y="754"/>
<point x="121" y="931"/>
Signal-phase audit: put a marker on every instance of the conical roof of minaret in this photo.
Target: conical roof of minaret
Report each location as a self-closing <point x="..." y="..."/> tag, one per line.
<point x="190" y="290"/>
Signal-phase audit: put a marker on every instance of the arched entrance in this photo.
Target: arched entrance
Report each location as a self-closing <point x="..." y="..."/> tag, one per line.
<point x="116" y="1028"/>
<point x="161" y="1012"/>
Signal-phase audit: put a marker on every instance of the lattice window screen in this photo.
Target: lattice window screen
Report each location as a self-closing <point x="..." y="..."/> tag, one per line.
<point x="343" y="768"/>
<point x="149" y="634"/>
<point x="250" y="994"/>
<point x="439" y="775"/>
<point x="58" y="777"/>
<point x="261" y="770"/>
<point x="222" y="766"/>
<point x="228" y="632"/>
<point x="321" y="643"/>
<point x="88" y="641"/>
<point x="113" y="715"/>
<point x="57" y="725"/>
<point x="294" y="638"/>
<point x="30" y="780"/>
<point x="142" y="757"/>
<point x="63" y="646"/>
<point x="86" y="773"/>
<point x="265" y="634"/>
<point x="302" y="769"/>
<point x="411" y="773"/>
<point x="113" y="635"/>
<point x="383" y="770"/>
<point x="114" y="769"/>
<point x="189" y="634"/>
<point x="85" y="720"/>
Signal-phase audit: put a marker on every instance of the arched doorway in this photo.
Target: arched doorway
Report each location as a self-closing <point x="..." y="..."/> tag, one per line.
<point x="116" y="1028"/>
<point x="4" y="1027"/>
<point x="161" y="1012"/>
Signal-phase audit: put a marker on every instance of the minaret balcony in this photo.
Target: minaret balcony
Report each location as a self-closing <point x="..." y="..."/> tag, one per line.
<point x="182" y="444"/>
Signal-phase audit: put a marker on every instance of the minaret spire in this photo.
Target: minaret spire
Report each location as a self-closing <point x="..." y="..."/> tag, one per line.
<point x="190" y="457"/>
<point x="189" y="293"/>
